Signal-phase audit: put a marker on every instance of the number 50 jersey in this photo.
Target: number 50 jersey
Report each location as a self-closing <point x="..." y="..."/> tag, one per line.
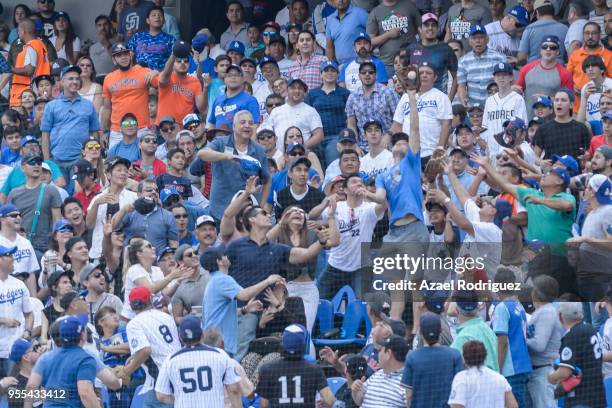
<point x="157" y="330"/>
<point x="196" y="376"/>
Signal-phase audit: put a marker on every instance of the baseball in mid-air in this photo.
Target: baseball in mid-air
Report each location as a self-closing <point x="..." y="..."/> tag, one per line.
<point x="412" y="75"/>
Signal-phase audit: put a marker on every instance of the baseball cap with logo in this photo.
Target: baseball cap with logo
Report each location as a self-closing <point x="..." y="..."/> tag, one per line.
<point x="502" y="68"/>
<point x="236" y="46"/>
<point x="168" y="192"/>
<point x="19" y="349"/>
<point x="190" y="118"/>
<point x="551" y="39"/>
<point x="431" y="326"/>
<point x="477" y="29"/>
<point x="328" y="64"/>
<point x="363" y="36"/>
<point x="190" y="328"/>
<point x="70" y="68"/>
<point x="521" y="14"/>
<point x="542" y="100"/>
<point x="294" y="339"/>
<point x="398" y="346"/>
<point x="205" y="219"/>
<point x="347" y="135"/>
<point x="180" y="49"/>
<point x="81" y="169"/>
<point x="379" y="302"/>
<point x="118" y="48"/>
<point x="28" y="139"/>
<point x="568" y="161"/>
<point x="72" y="327"/>
<point x="140" y="296"/>
<point x="4" y="251"/>
<point x="602" y="188"/>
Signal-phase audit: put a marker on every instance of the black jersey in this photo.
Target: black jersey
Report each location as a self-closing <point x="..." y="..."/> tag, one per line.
<point x="581" y="347"/>
<point x="287" y="383"/>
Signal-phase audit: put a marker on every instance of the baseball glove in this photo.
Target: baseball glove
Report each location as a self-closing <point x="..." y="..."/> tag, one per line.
<point x="435" y="165"/>
<point x="120" y="372"/>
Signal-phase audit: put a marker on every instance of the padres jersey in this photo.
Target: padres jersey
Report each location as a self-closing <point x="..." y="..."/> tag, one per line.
<point x="196" y="377"/>
<point x="497" y="110"/>
<point x="157" y="330"/>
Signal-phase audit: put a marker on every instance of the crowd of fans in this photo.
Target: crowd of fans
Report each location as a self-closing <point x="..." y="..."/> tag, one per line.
<point x="159" y="192"/>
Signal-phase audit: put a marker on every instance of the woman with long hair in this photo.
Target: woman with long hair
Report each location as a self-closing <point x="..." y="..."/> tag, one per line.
<point x="20" y="13"/>
<point x="92" y="152"/>
<point x="90" y="89"/>
<point x="5" y="44"/>
<point x="67" y="44"/>
<point x="115" y="13"/>
<point x="76" y="258"/>
<point x="292" y="37"/>
<point x="294" y="135"/>
<point x="140" y="272"/>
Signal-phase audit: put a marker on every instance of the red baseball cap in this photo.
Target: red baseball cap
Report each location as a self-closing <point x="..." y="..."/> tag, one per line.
<point x="140" y="294"/>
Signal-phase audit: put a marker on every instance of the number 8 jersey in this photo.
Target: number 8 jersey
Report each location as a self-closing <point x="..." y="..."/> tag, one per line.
<point x="157" y="330"/>
<point x="196" y="376"/>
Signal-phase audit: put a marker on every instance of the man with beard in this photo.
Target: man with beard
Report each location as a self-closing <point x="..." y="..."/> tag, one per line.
<point x="349" y="74"/>
<point x="439" y="54"/>
<point x="148" y="166"/>
<point x="505" y="34"/>
<point x="206" y="233"/>
<point x="591" y="46"/>
<point x="125" y="90"/>
<point x="178" y="92"/>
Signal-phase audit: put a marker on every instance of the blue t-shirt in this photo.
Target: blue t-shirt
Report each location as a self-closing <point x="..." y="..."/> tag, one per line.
<point x="403" y="185"/>
<point x="10" y="157"/>
<point x="429" y="371"/>
<point x="152" y="50"/>
<point x="223" y="109"/>
<point x="509" y="318"/>
<point x="130" y="152"/>
<point x="158" y="227"/>
<point x="61" y="369"/>
<point x="220" y="305"/>
<point x="120" y="337"/>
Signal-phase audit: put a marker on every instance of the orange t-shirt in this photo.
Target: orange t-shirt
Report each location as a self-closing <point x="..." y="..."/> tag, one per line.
<point x="574" y="66"/>
<point x="177" y="98"/>
<point x="128" y="94"/>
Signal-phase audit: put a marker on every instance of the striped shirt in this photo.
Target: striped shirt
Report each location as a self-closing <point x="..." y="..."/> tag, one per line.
<point x="196" y="376"/>
<point x="308" y="71"/>
<point x="156" y="330"/>
<point x="384" y="390"/>
<point x="476" y="72"/>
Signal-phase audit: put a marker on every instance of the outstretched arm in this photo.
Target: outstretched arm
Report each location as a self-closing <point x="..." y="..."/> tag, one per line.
<point x="415" y="139"/>
<point x="497" y="178"/>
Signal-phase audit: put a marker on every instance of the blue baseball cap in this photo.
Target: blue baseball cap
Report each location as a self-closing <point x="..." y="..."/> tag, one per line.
<point x="515" y="123"/>
<point x="6" y="209"/>
<point x="168" y="192"/>
<point x="568" y="161"/>
<point x="61" y="225"/>
<point x="28" y="139"/>
<point x="551" y="39"/>
<point x="298" y="80"/>
<point x="363" y="35"/>
<point x="267" y="60"/>
<point x="72" y="327"/>
<point x="466" y="300"/>
<point x="563" y="175"/>
<point x="166" y="250"/>
<point x="502" y="67"/>
<point x="70" y="68"/>
<point x="431" y="326"/>
<point x="190" y="328"/>
<point x="4" y="251"/>
<point x="602" y="187"/>
<point x="503" y="211"/>
<point x="236" y="46"/>
<point x="199" y="42"/>
<point x="19" y="348"/>
<point x="294" y="339"/>
<point x="435" y="299"/>
<point x="328" y="64"/>
<point x="295" y="145"/>
<point x="477" y="29"/>
<point x="249" y="165"/>
<point x="543" y="100"/>
<point x="521" y="15"/>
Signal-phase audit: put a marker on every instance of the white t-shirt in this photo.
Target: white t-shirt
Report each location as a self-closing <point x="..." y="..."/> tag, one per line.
<point x="261" y="93"/>
<point x="479" y="387"/>
<point x="497" y="110"/>
<point x="356" y="225"/>
<point x="157" y="330"/>
<point x="500" y="41"/>
<point x="125" y="197"/>
<point x="373" y="166"/>
<point x="304" y="116"/>
<point x="487" y="239"/>
<point x="434" y="106"/>
<point x="14" y="302"/>
<point x="574" y="33"/>
<point x="592" y="108"/>
<point x="136" y="272"/>
<point x="25" y="258"/>
<point x="61" y="52"/>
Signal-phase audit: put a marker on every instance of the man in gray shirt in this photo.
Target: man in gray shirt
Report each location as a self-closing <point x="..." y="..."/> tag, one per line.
<point x="100" y="51"/>
<point x="543" y="340"/>
<point x="462" y="17"/>
<point x="393" y="26"/>
<point x="188" y="296"/>
<point x="27" y="198"/>
<point x="534" y="34"/>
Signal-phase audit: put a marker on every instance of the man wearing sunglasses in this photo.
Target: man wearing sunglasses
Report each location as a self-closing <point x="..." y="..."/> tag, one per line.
<point x="545" y="26"/>
<point x="178" y="92"/>
<point x="148" y="166"/>
<point x="96" y="281"/>
<point x="46" y="13"/>
<point x="36" y="201"/>
<point x="128" y="145"/>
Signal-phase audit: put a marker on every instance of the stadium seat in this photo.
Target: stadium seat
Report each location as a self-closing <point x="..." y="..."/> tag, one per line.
<point x="608" y="386"/>
<point x="324" y="318"/>
<point x="345" y="294"/>
<point x="356" y="312"/>
<point x="335" y="383"/>
<point x="138" y="400"/>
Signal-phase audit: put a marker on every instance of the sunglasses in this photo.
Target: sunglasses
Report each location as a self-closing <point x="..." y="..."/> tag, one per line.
<point x="130" y="122"/>
<point x="192" y="126"/>
<point x="269" y="33"/>
<point x="14" y="215"/>
<point x="549" y="47"/>
<point x="273" y="105"/>
<point x="264" y="137"/>
<point x="93" y="146"/>
<point x="189" y="254"/>
<point x="149" y="140"/>
<point x="180" y="216"/>
<point x="35" y="162"/>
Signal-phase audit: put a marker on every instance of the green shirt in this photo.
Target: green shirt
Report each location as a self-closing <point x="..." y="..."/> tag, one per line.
<point x="544" y="223"/>
<point x="477" y="329"/>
